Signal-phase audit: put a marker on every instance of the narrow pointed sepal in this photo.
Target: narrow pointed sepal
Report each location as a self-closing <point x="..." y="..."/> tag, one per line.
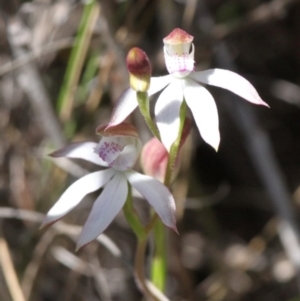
<point x="167" y="111"/>
<point x="80" y="150"/>
<point x="124" y="107"/>
<point x="75" y="193"/>
<point x="158" y="196"/>
<point x="204" y="110"/>
<point x="230" y="81"/>
<point x="104" y="210"/>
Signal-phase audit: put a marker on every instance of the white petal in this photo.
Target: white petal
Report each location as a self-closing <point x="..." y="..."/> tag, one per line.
<point x="80" y="150"/>
<point x="125" y="105"/>
<point x="105" y="208"/>
<point x="76" y="192"/>
<point x="157" y="194"/>
<point x="231" y="81"/>
<point x="167" y="110"/>
<point x="204" y="110"/>
<point x="158" y="83"/>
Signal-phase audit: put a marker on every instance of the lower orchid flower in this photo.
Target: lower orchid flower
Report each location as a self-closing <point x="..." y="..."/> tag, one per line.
<point x="183" y="83"/>
<point x="118" y="149"/>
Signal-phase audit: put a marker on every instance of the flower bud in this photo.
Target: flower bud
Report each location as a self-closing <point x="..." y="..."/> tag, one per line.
<point x="139" y="69"/>
<point x="154" y="159"/>
<point x="154" y="156"/>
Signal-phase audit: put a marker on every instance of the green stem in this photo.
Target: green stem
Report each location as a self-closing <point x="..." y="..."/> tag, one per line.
<point x="175" y="146"/>
<point x="139" y="268"/>
<point x="159" y="263"/>
<point x="133" y="218"/>
<point x="142" y="235"/>
<point x="143" y="101"/>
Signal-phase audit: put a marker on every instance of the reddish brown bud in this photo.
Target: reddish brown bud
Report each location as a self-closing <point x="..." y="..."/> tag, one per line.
<point x="139" y="69"/>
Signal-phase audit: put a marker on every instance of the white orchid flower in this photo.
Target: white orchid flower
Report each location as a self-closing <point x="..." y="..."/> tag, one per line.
<point x="184" y="83"/>
<point x="118" y="149"/>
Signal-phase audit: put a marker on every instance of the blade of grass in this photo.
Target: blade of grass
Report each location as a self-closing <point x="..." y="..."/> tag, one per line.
<point x="88" y="76"/>
<point x="76" y="60"/>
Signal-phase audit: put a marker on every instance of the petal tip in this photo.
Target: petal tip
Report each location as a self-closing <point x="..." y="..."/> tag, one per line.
<point x="47" y="222"/>
<point x="266" y="105"/>
<point x="215" y="144"/>
<point x="81" y="243"/>
<point x="53" y="154"/>
<point x="78" y="247"/>
<point x="174" y="228"/>
<point x="42" y="226"/>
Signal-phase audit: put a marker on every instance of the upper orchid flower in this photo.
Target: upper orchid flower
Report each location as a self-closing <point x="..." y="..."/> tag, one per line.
<point x="183" y="83"/>
<point x="119" y="149"/>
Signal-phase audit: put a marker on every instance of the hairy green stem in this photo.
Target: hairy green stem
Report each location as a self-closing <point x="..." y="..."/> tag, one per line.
<point x="159" y="263"/>
<point x="142" y="235"/>
<point x="133" y="218"/>
<point x="143" y="101"/>
<point x="175" y="147"/>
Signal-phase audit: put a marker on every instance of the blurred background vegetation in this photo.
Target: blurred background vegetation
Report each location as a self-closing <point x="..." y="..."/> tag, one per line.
<point x="62" y="68"/>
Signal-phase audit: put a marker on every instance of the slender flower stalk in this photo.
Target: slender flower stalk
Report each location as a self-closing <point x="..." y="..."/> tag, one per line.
<point x="118" y="149"/>
<point x="143" y="101"/>
<point x="183" y="83"/>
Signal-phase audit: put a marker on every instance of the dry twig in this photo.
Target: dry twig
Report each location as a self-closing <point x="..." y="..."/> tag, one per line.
<point x="9" y="272"/>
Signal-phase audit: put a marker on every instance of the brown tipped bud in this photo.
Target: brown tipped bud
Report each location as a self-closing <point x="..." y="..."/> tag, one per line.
<point x="122" y="129"/>
<point x="139" y="69"/>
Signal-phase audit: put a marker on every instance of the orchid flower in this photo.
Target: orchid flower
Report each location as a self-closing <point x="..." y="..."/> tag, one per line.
<point x="184" y="83"/>
<point x="118" y="149"/>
